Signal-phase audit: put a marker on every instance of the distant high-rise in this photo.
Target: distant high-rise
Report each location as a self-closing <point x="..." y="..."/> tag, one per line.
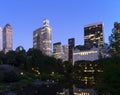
<point x="71" y="44"/>
<point x="93" y="35"/>
<point x="115" y="39"/>
<point x="7" y="38"/>
<point x="65" y="52"/>
<point x="42" y="38"/>
<point x="116" y="31"/>
<point x="57" y="50"/>
<point x="0" y="38"/>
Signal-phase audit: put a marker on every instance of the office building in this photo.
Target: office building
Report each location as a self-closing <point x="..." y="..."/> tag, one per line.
<point x="114" y="39"/>
<point x="60" y="51"/>
<point x="71" y="44"/>
<point x="42" y="38"/>
<point x="65" y="52"/>
<point x="93" y="35"/>
<point x="7" y="38"/>
<point x="0" y="38"/>
<point x="85" y="53"/>
<point x="116" y="31"/>
<point x="57" y="50"/>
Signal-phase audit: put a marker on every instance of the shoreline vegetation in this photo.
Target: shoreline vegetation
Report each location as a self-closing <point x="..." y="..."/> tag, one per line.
<point x="32" y="72"/>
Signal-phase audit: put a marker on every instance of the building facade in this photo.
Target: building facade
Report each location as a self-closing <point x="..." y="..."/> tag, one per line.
<point x="57" y="50"/>
<point x="7" y="38"/>
<point x="71" y="44"/>
<point x="93" y="35"/>
<point x="42" y="38"/>
<point x="116" y="31"/>
<point x="65" y="52"/>
<point x="1" y="39"/>
<point x="60" y="51"/>
<point x="114" y="40"/>
<point x="85" y="53"/>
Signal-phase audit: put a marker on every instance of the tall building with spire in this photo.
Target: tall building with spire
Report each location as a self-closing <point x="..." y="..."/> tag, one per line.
<point x="7" y="38"/>
<point x="42" y="38"/>
<point x="0" y="38"/>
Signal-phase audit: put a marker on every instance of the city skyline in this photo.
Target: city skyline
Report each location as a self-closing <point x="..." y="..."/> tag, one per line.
<point x="67" y="18"/>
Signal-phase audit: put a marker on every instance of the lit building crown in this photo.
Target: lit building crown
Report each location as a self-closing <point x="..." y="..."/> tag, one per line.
<point x="46" y="22"/>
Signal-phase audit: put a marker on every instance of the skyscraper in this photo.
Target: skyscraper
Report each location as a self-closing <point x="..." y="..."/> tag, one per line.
<point x="71" y="44"/>
<point x="42" y="38"/>
<point x="7" y="38"/>
<point x="93" y="35"/>
<point x="65" y="52"/>
<point x="115" y="39"/>
<point x="116" y="31"/>
<point x="0" y="38"/>
<point x="57" y="50"/>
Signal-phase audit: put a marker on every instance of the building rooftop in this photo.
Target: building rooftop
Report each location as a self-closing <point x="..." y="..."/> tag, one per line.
<point x="88" y="25"/>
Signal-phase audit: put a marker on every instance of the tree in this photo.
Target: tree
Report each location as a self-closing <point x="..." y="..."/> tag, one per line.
<point x="21" y="58"/>
<point x="109" y="81"/>
<point x="34" y="58"/>
<point x="2" y="57"/>
<point x="68" y="70"/>
<point x="10" y="58"/>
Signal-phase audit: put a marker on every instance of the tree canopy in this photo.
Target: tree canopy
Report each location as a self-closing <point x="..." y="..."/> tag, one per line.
<point x="109" y="81"/>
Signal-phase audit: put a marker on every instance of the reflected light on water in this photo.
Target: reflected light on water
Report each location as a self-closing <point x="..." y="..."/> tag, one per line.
<point x="81" y="94"/>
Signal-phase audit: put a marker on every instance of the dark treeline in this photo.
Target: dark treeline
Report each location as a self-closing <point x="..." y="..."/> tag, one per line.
<point x="38" y="64"/>
<point x="102" y="74"/>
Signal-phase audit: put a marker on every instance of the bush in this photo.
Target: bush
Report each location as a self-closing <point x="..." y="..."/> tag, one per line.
<point x="11" y="76"/>
<point x="1" y="76"/>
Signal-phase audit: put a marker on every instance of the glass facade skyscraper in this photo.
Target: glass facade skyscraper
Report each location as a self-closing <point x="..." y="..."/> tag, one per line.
<point x="115" y="39"/>
<point x="42" y="38"/>
<point x="116" y="31"/>
<point x="93" y="35"/>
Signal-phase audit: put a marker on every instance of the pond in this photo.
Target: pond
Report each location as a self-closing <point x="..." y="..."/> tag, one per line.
<point x="56" y="89"/>
<point x="84" y="86"/>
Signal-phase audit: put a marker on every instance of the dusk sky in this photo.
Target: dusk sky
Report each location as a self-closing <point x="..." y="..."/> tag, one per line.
<point x="67" y="18"/>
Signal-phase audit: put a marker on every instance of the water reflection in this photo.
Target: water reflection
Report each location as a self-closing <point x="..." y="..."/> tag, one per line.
<point x="77" y="91"/>
<point x="83" y="86"/>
